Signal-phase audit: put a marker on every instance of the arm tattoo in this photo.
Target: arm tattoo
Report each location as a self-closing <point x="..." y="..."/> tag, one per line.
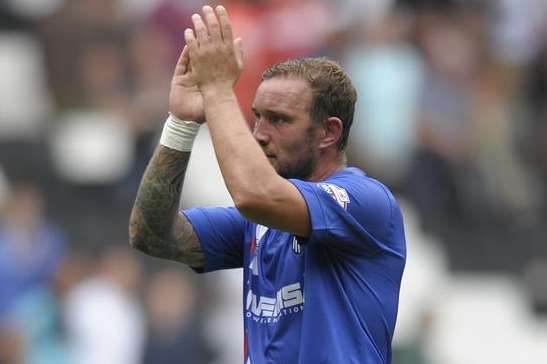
<point x="156" y="228"/>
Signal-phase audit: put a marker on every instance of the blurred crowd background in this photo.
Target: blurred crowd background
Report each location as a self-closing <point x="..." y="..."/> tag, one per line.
<point x="452" y="115"/>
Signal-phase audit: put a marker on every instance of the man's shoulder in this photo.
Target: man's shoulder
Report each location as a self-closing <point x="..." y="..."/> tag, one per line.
<point x="357" y="189"/>
<point x="356" y="180"/>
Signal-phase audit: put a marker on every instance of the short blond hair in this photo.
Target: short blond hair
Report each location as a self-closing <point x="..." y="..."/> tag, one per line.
<point x="333" y="91"/>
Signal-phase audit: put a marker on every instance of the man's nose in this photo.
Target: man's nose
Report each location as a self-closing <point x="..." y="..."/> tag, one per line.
<point x="260" y="132"/>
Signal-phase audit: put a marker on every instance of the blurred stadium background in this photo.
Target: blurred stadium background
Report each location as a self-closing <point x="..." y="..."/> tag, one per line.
<point x="452" y="115"/>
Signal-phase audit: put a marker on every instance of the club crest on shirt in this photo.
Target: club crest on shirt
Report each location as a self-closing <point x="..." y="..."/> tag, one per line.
<point x="337" y="193"/>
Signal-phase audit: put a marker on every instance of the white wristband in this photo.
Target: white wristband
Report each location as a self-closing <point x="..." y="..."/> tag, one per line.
<point x="179" y="134"/>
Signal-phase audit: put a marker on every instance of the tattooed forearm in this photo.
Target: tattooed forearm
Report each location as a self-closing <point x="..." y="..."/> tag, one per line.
<point x="155" y="226"/>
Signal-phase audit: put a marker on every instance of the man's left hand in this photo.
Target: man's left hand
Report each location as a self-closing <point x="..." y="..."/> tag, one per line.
<point x="216" y="59"/>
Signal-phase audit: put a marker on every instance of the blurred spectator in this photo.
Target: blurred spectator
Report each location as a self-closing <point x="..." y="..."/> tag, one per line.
<point x="68" y="37"/>
<point x="496" y="154"/>
<point x="468" y="179"/>
<point x="388" y="74"/>
<point x="102" y="75"/>
<point x="147" y="108"/>
<point x="174" y="334"/>
<point x="38" y="319"/>
<point x="31" y="247"/>
<point x="519" y="27"/>
<point x="103" y="317"/>
<point x="445" y="182"/>
<point x="31" y="250"/>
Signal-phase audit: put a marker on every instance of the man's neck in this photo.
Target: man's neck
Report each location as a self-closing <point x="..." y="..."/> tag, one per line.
<point x="327" y="167"/>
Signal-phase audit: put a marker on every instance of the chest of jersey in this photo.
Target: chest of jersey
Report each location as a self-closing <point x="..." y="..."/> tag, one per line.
<point x="273" y="294"/>
<point x="274" y="270"/>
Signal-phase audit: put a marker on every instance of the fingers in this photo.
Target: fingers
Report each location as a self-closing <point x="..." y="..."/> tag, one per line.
<point x="191" y="41"/>
<point x="216" y="26"/>
<point x="225" y="25"/>
<point x="212" y="23"/>
<point x="183" y="62"/>
<point x="200" y="29"/>
<point x="185" y="58"/>
<point x="238" y="46"/>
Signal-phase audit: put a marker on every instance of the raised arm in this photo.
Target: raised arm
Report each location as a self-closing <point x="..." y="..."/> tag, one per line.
<point x="156" y="228"/>
<point x="259" y="193"/>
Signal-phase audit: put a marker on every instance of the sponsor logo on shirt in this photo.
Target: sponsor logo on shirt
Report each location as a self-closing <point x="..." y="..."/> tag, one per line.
<point x="288" y="300"/>
<point x="337" y="193"/>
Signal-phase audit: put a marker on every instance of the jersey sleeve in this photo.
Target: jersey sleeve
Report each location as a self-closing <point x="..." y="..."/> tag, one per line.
<point x="358" y="215"/>
<point x="221" y="232"/>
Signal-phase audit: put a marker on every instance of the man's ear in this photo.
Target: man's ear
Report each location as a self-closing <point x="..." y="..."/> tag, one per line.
<point x="331" y="132"/>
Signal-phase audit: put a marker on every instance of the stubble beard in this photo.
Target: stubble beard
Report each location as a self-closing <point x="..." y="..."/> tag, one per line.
<point x="303" y="167"/>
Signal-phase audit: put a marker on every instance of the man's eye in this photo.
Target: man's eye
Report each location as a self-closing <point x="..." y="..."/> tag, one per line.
<point x="276" y="120"/>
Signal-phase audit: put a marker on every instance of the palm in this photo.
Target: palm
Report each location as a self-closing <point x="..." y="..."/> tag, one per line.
<point x="185" y="100"/>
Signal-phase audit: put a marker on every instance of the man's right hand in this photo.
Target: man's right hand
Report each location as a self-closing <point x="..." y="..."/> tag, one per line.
<point x="185" y="99"/>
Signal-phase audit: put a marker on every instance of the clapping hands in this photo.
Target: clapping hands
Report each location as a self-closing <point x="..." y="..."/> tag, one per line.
<point x="211" y="61"/>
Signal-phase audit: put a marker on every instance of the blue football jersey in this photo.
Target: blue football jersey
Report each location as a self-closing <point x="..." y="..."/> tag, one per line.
<point x="329" y="298"/>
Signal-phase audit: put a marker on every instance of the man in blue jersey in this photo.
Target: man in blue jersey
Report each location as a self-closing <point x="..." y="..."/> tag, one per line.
<point x="321" y="245"/>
